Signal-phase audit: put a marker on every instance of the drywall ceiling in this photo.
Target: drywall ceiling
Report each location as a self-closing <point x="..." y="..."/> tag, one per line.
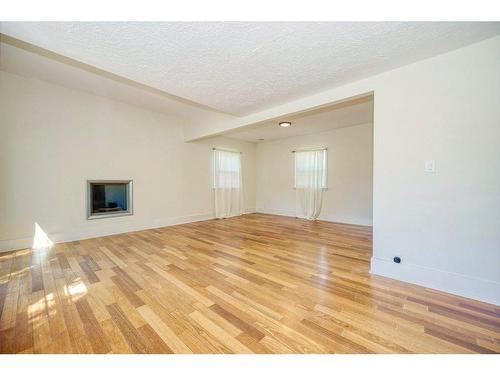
<point x="245" y="67"/>
<point x="349" y="113"/>
<point x="36" y="63"/>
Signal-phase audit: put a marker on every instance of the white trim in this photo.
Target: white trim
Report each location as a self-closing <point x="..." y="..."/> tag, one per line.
<point x="466" y="286"/>
<point x="311" y="148"/>
<point x="462" y="285"/>
<point x="101" y="230"/>
<point x="276" y="211"/>
<point x="336" y="218"/>
<point x="214" y="166"/>
<point x="331" y="217"/>
<point x="325" y="167"/>
<point x="227" y="150"/>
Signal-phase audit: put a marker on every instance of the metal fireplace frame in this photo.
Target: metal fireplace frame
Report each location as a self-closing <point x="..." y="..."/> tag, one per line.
<point x="130" y="205"/>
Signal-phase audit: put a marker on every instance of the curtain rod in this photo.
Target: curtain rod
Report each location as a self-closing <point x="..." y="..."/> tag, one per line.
<point x="311" y="149"/>
<point x="222" y="149"/>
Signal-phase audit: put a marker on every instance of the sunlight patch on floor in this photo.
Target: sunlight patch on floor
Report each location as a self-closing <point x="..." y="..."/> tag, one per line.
<point x="75" y="290"/>
<point x="40" y="239"/>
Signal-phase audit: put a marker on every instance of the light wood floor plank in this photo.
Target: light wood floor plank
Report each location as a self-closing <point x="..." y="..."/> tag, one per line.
<point x="251" y="284"/>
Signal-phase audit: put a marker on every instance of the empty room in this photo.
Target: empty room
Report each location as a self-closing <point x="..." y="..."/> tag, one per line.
<point x="249" y="187"/>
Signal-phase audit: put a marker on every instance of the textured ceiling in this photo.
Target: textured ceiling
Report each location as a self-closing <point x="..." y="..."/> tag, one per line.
<point x="244" y="67"/>
<point x="350" y="113"/>
<point x="35" y="63"/>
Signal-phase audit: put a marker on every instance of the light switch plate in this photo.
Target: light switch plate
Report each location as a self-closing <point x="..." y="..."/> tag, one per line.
<point x="430" y="166"/>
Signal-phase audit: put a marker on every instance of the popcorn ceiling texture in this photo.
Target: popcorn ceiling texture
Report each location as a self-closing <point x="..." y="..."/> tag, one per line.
<point x="244" y="67"/>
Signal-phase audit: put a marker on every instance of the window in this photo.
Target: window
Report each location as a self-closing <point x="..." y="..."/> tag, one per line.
<point x="226" y="169"/>
<point x="311" y="169"/>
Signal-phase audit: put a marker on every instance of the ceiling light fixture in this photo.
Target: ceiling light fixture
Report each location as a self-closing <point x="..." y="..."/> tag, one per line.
<point x="285" y="124"/>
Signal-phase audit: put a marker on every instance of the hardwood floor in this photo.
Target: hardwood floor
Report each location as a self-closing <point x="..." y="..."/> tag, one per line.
<point x="252" y="284"/>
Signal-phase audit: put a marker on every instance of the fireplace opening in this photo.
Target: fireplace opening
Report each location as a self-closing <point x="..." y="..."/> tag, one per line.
<point x="109" y="198"/>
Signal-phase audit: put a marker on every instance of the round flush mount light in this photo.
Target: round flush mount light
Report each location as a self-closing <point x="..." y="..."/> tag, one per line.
<point x="285" y="124"/>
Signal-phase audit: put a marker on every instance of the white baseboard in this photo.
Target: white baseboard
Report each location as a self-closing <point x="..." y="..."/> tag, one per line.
<point x="466" y="286"/>
<point x="324" y="216"/>
<point x="470" y="287"/>
<point x="102" y="228"/>
<point x="275" y="211"/>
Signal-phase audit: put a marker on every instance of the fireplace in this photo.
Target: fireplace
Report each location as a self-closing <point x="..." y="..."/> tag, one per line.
<point x="109" y="198"/>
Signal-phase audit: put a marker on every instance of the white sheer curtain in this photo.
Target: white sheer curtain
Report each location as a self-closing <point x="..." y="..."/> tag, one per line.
<point x="310" y="181"/>
<point x="227" y="183"/>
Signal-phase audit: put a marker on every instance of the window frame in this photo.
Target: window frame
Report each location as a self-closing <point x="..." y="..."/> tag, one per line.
<point x="325" y="157"/>
<point x="214" y="150"/>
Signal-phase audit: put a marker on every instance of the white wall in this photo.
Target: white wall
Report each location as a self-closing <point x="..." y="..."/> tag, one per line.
<point x="52" y="139"/>
<point x="350" y="181"/>
<point x="446" y="225"/>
